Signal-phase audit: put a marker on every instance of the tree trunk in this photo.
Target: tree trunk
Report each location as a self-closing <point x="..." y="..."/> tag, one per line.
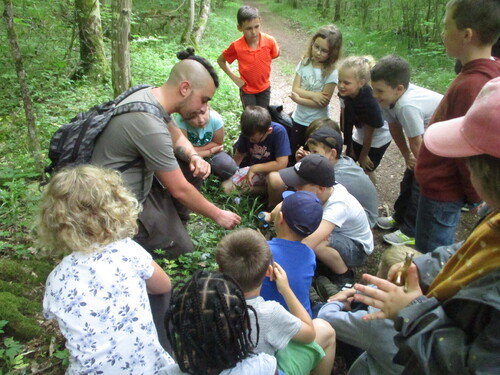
<point x="120" y="63"/>
<point x="202" y="21"/>
<point x="338" y="4"/>
<point x="188" y="33"/>
<point x="21" y="77"/>
<point x="92" y="56"/>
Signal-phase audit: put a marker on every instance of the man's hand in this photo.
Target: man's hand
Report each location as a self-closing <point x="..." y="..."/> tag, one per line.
<point x="199" y="166"/>
<point x="227" y="219"/>
<point x="389" y="298"/>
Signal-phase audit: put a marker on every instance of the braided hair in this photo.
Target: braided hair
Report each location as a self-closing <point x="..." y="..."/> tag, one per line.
<point x="208" y="323"/>
<point x="188" y="54"/>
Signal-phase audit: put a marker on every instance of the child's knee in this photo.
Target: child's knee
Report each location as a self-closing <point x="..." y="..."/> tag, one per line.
<point x="325" y="334"/>
<point x="275" y="182"/>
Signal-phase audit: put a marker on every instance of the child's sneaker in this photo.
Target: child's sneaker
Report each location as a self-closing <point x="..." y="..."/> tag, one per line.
<point x="399" y="238"/>
<point x="325" y="287"/>
<point x="314" y="297"/>
<point x="386" y="222"/>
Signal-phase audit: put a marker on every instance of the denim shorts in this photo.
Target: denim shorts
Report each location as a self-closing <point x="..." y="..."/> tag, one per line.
<point x="352" y="252"/>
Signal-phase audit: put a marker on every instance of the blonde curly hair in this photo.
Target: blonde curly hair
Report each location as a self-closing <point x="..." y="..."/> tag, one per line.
<point x="84" y="208"/>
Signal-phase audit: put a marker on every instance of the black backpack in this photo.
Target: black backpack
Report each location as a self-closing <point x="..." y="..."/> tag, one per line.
<point x="72" y="144"/>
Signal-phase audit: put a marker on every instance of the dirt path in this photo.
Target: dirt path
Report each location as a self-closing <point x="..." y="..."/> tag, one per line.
<point x="293" y="41"/>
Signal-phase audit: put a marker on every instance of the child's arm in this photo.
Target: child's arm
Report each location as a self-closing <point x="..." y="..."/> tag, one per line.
<point x="227" y="69"/>
<point x="306" y="332"/>
<point x="214" y="146"/>
<point x="311" y="98"/>
<point x="364" y="159"/>
<point x="238" y="157"/>
<point x="271" y="166"/>
<point x="398" y="135"/>
<point x="320" y="234"/>
<point x="159" y="282"/>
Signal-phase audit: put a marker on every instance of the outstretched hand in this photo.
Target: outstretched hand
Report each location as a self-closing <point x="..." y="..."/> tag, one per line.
<point x="199" y="166"/>
<point x="389" y="298"/>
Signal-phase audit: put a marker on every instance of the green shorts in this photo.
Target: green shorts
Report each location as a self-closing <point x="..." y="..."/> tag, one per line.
<point x="299" y="359"/>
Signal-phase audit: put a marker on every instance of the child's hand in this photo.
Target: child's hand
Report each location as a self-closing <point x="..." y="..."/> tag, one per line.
<point x="294" y="96"/>
<point x="214" y="150"/>
<point x="320" y="98"/>
<point x="301" y="153"/>
<point x="367" y="164"/>
<point x="239" y="82"/>
<point x="280" y="277"/>
<point x="410" y="162"/>
<point x="249" y="177"/>
<point x="343" y="295"/>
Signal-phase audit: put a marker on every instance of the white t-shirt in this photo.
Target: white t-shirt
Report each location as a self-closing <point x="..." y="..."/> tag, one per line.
<point x="381" y="136"/>
<point x="277" y="326"/>
<point x="413" y="110"/>
<point x="311" y="79"/>
<point x="101" y="305"/>
<point x="349" y="217"/>
<point x="261" y="364"/>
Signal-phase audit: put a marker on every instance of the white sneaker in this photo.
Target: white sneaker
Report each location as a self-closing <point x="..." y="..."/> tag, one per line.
<point x="398" y="238"/>
<point x="386" y="223"/>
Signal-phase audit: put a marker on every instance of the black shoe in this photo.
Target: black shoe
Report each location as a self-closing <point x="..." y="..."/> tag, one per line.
<point x="344" y="278"/>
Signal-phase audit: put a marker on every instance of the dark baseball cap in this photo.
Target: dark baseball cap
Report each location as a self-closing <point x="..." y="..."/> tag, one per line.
<point x="302" y="211"/>
<point x="329" y="137"/>
<point x="313" y="169"/>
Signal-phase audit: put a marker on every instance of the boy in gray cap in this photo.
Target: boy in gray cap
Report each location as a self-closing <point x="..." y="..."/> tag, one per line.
<point x="343" y="239"/>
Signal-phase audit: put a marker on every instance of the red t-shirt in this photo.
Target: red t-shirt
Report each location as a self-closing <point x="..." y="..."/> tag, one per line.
<point x="254" y="65"/>
<point x="448" y="179"/>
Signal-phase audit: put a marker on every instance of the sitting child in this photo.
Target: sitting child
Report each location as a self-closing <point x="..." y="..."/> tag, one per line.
<point x="375" y="338"/>
<point x="99" y="293"/>
<point x="295" y="218"/>
<point x="208" y="325"/>
<point x="266" y="145"/>
<point x="245" y="255"/>
<point x="343" y="239"/>
<point x="361" y="113"/>
<point x="206" y="133"/>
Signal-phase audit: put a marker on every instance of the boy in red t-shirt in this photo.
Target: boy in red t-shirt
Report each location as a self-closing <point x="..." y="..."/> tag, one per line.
<point x="254" y="51"/>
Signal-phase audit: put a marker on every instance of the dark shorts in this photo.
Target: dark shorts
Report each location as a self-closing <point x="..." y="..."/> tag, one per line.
<point x="262" y="99"/>
<point x="352" y="252"/>
<point x="375" y="154"/>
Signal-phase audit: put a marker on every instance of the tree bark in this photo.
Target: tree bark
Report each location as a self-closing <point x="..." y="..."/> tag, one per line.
<point x="202" y="21"/>
<point x="25" y="92"/>
<point x="92" y="57"/>
<point x="187" y="37"/>
<point x="120" y="45"/>
<point x="338" y="4"/>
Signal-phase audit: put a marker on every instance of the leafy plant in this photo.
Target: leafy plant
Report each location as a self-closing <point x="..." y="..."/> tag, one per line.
<point x="11" y="354"/>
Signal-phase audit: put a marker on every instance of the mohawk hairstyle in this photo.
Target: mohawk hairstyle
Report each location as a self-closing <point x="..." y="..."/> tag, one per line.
<point x="208" y="323"/>
<point x="188" y="54"/>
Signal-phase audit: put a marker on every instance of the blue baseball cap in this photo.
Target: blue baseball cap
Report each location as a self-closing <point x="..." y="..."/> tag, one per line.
<point x="302" y="211"/>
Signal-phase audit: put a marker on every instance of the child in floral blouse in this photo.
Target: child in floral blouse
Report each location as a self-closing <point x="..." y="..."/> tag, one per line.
<point x="99" y="292"/>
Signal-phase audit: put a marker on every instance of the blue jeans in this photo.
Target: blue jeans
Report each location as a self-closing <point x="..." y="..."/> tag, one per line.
<point x="436" y="223"/>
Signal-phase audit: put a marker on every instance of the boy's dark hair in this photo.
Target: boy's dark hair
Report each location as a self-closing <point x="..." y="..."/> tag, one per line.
<point x="245" y="255"/>
<point x="188" y="54"/>
<point x="208" y="323"/>
<point x="483" y="16"/>
<point x="255" y="119"/>
<point x="392" y="69"/>
<point x="247" y="13"/>
<point x="486" y="169"/>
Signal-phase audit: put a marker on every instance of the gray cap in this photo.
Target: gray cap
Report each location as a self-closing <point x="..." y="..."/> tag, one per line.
<point x="313" y="169"/>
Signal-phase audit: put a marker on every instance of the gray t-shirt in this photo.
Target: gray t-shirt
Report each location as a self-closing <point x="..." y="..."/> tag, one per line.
<point x="277" y="326"/>
<point x="413" y="110"/>
<point x="356" y="181"/>
<point x="134" y="135"/>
